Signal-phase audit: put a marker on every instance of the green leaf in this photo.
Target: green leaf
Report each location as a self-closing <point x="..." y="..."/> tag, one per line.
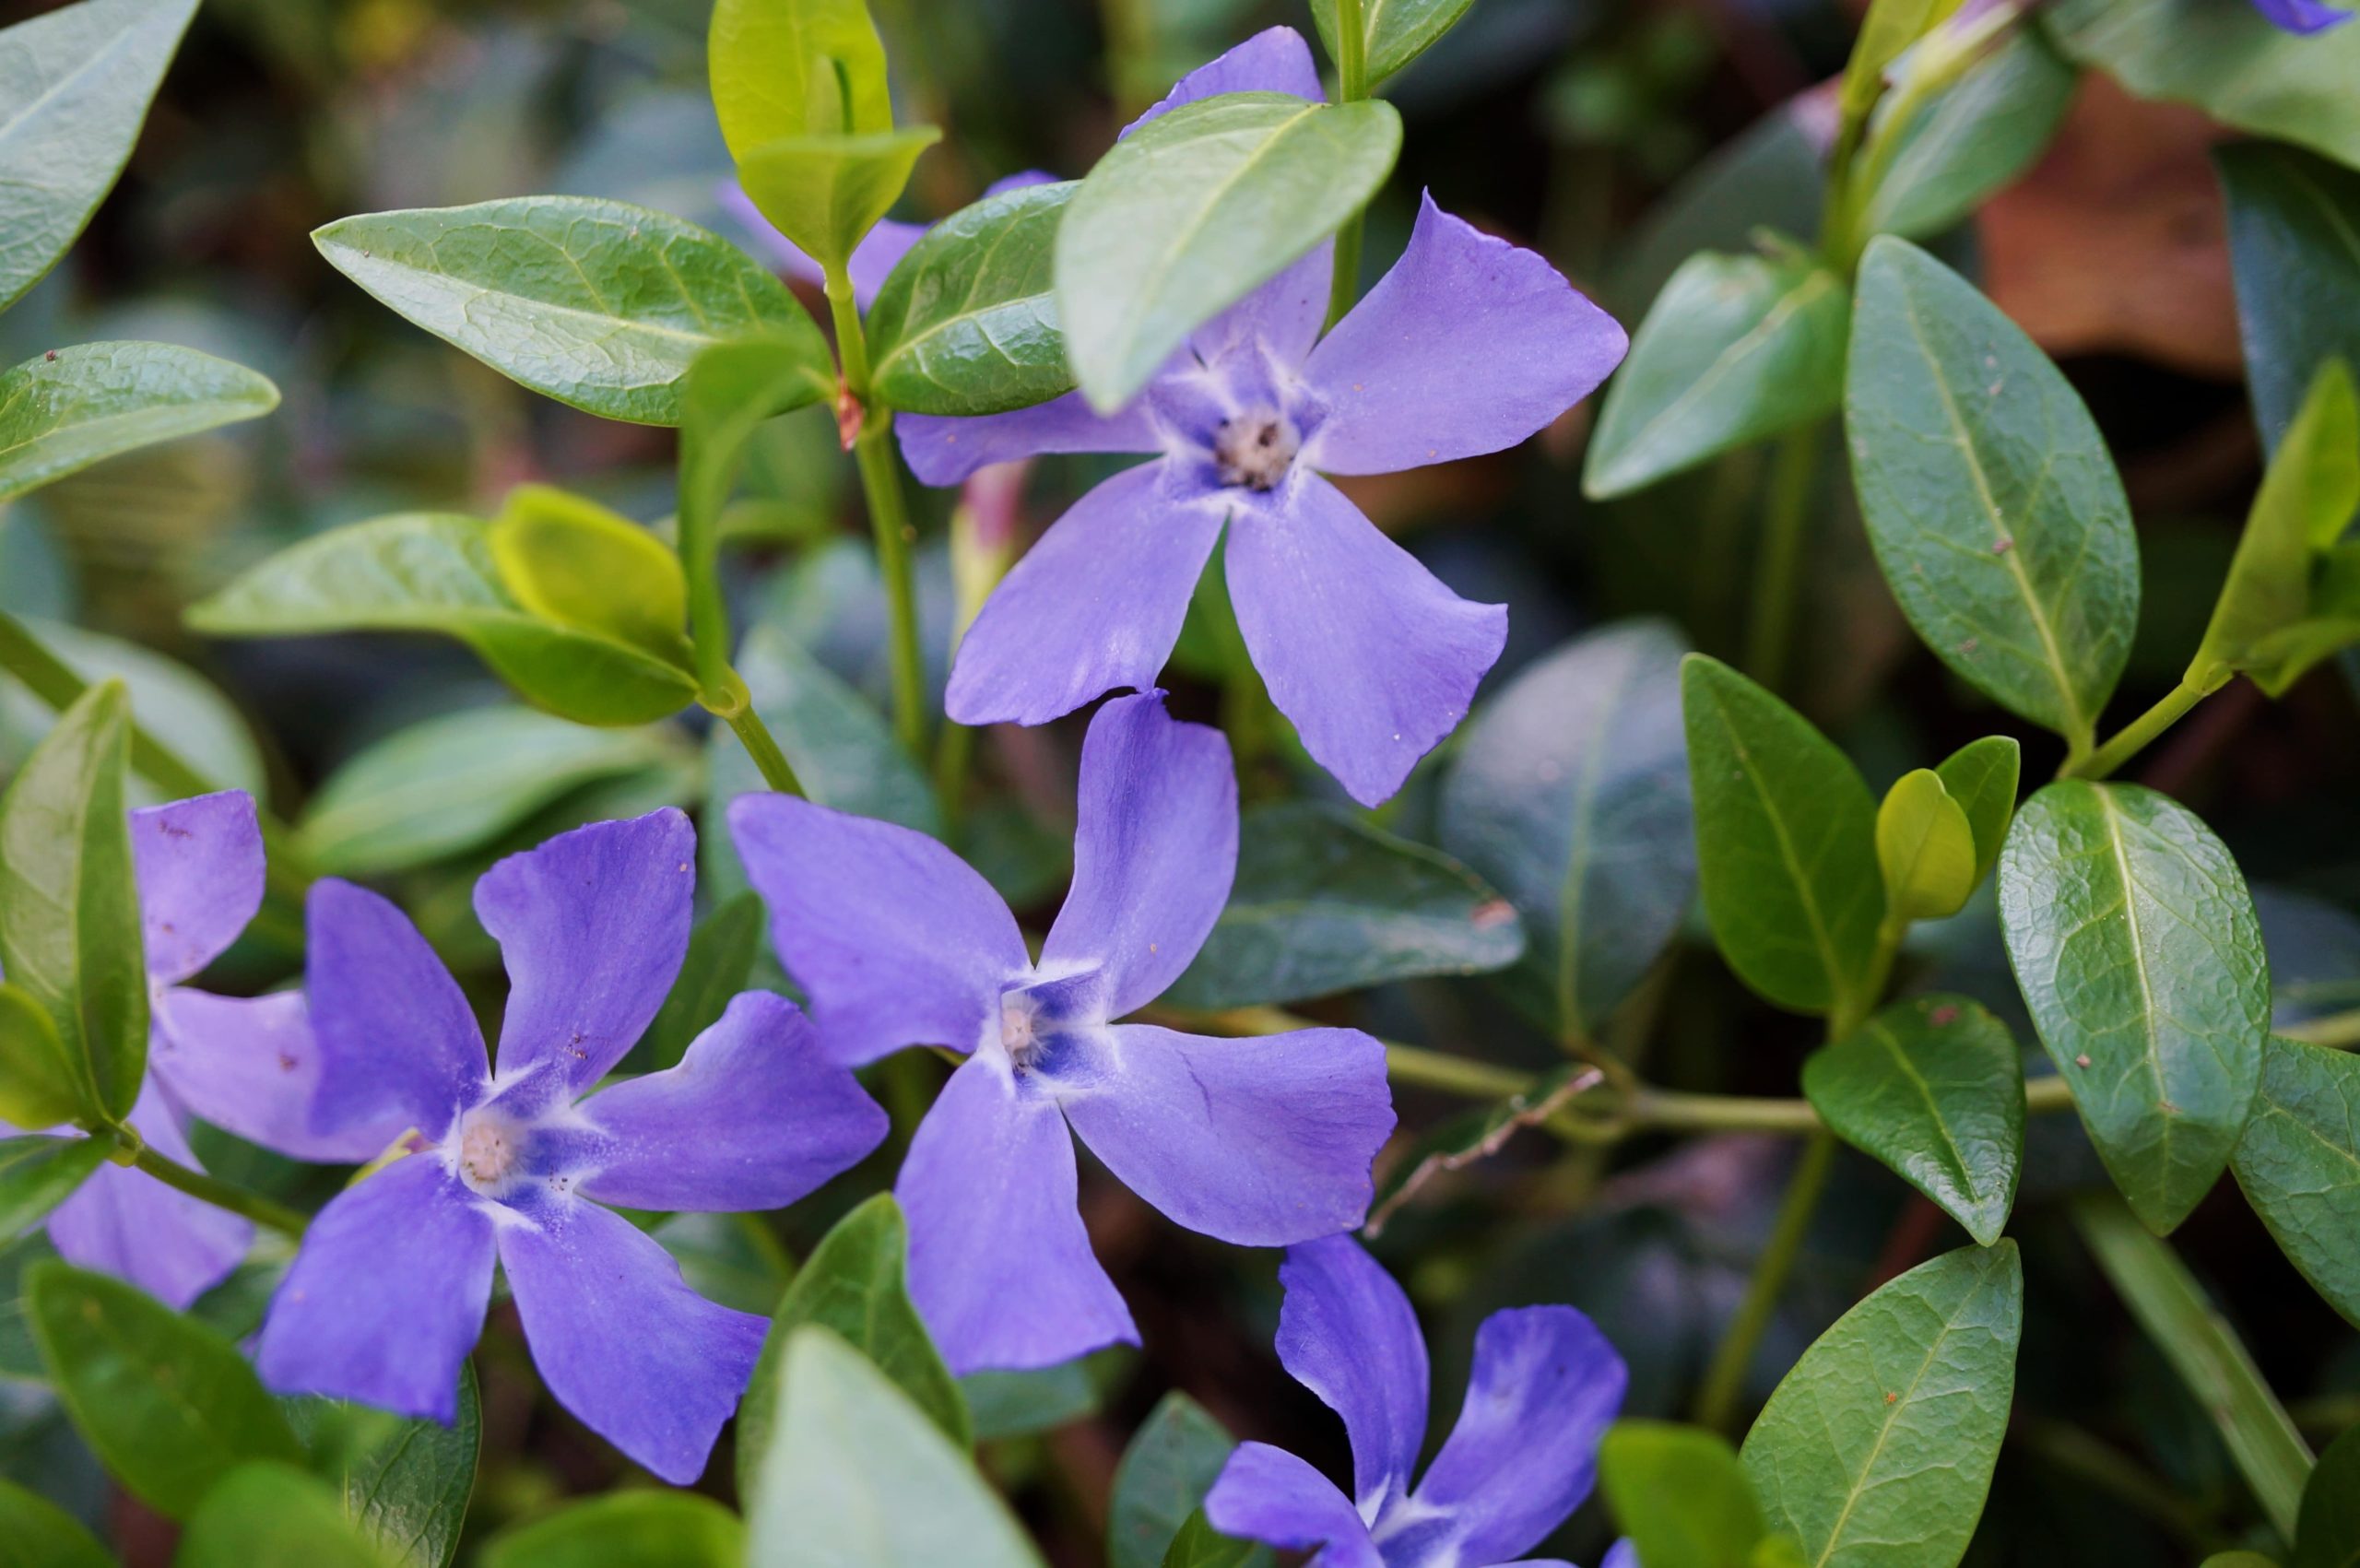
<point x="184" y="712"/>
<point x="574" y="562"/>
<point x="40" y="1534"/>
<point x="731" y="1258"/>
<point x="2299" y="1165"/>
<point x="843" y="750"/>
<point x="433" y="571"/>
<point x="967" y="322"/>
<point x="1324" y="903"/>
<point x="70" y="937"/>
<point x="2327" y="1531"/>
<point x="625" y="1529"/>
<point x="795" y="68"/>
<point x="1878" y="1447"/>
<point x="1196" y="209"/>
<point x="1981" y="777"/>
<point x="1926" y="848"/>
<point x="1020" y="1404"/>
<point x="2137" y="949"/>
<point x="1972" y="140"/>
<point x="1886" y="32"/>
<point x="1934" y="1089"/>
<point x="1394" y="32"/>
<point x="853" y="1283"/>
<point x="1734" y="351"/>
<point x="1198" y="1545"/>
<point x="1679" y="1495"/>
<point x="857" y="1474"/>
<point x="1570" y="795"/>
<point x="70" y="407"/>
<point x="75" y="83"/>
<point x="403" y="1483"/>
<point x="599" y="304"/>
<point x="270" y="1516"/>
<point x="167" y="1404"/>
<point x="2239" y="1559"/>
<point x="1993" y="507"/>
<point x="2227" y="60"/>
<point x="1786" y="844"/>
<point x="1161" y="1481"/>
<point x="2294" y="240"/>
<point x="826" y="193"/>
<point x="39" y="1172"/>
<point x="721" y="950"/>
<point x="43" y="1084"/>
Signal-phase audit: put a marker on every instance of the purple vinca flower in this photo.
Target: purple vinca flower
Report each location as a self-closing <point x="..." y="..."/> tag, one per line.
<point x="897" y="942"/>
<point x="388" y="1294"/>
<point x="1544" y="1387"/>
<point x="1468" y="345"/>
<point x="2303" y="16"/>
<point x="245" y="1064"/>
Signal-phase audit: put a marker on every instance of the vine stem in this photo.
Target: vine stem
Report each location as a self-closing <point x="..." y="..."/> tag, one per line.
<point x="1725" y="1377"/>
<point x="221" y="1194"/>
<point x="2134" y="736"/>
<point x="1770" y="626"/>
<point x="755" y="736"/>
<point x="1352" y="85"/>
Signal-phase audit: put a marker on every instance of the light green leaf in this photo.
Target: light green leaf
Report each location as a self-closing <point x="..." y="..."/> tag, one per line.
<point x="1981" y="777"/>
<point x="1394" y="32"/>
<point x="721" y="950"/>
<point x="1196" y="209"/>
<point x="1785" y="843"/>
<point x="571" y="561"/>
<point x="967" y="322"/>
<point x="1876" y="1450"/>
<point x="795" y="68"/>
<point x="1198" y="1545"/>
<point x="43" y="1084"/>
<point x="1734" y="351"/>
<point x="1172" y="1463"/>
<point x="1989" y="498"/>
<point x="2294" y="240"/>
<point x="75" y="84"/>
<point x="1324" y="903"/>
<point x="597" y="304"/>
<point x="2299" y="1165"/>
<point x="271" y="1516"/>
<point x="2327" y="1532"/>
<point x="1974" y="139"/>
<point x="1926" y="847"/>
<point x="169" y="1404"/>
<point x="858" y="1477"/>
<point x="1934" y="1089"/>
<point x="2136" y="946"/>
<point x="1888" y="30"/>
<point x="1678" y="1494"/>
<point x="41" y="1535"/>
<point x="826" y="193"/>
<point x="70" y="407"/>
<point x="180" y="708"/>
<point x="403" y="1483"/>
<point x="625" y="1529"/>
<point x="38" y="1172"/>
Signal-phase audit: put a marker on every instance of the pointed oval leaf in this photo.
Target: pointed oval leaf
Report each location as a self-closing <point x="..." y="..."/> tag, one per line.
<point x="2327" y="1532"/>
<point x="43" y="1084"/>
<point x="967" y="322"/>
<point x="1934" y="1089"/>
<point x="2299" y="1165"/>
<point x="599" y="304"/>
<point x="624" y="1529"/>
<point x="1926" y="847"/>
<point x="267" y="1514"/>
<point x="1982" y="777"/>
<point x="826" y="193"/>
<point x="1876" y="1450"/>
<point x="1171" y="1462"/>
<point x="41" y="1535"/>
<point x="38" y="1172"/>
<point x="1198" y="1545"/>
<point x="1972" y="140"/>
<point x="1680" y="1494"/>
<point x="1394" y="32"/>
<point x="2294" y="243"/>
<point x="403" y="1483"/>
<point x="795" y="68"/>
<point x="2138" y="951"/>
<point x="571" y="561"/>
<point x="1989" y="498"/>
<point x="1197" y="209"/>
<point x="70" y="407"/>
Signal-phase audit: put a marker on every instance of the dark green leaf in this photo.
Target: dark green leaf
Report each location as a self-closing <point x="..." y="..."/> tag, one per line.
<point x="597" y="304"/>
<point x="826" y="192"/>
<point x="38" y="1172"/>
<point x="795" y="68"/>
<point x="1981" y="777"/>
<point x="269" y="1515"/>
<point x="2294" y="238"/>
<point x="68" y="408"/>
<point x="2299" y="1165"/>
<point x="43" y="1084"/>
<point x="967" y="322"/>
<point x="1195" y="210"/>
<point x="1679" y="1495"/>
<point x="2239" y="1559"/>
<point x="404" y="1483"/>
<point x="2135" y="944"/>
<point x="1394" y="32"/>
<point x="2327" y="1532"/>
<point x="1786" y="844"/>
<point x="721" y="950"/>
<point x="1972" y="140"/>
<point x="1324" y="903"/>
<point x="731" y="1258"/>
<point x="1198" y="1545"/>
<point x="1877" y="1448"/>
<point x="625" y="1529"/>
<point x="1993" y="506"/>
<point x="1171" y="1463"/>
<point x="1017" y="1404"/>
<point x="1932" y="1087"/>
<point x="167" y="1404"/>
<point x="35" y="1533"/>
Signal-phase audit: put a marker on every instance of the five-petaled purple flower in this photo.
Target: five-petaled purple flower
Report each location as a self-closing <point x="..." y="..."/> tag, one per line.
<point x="1544" y="1387"/>
<point x="388" y="1294"/>
<point x="2303" y="16"/>
<point x="1468" y="345"/>
<point x="245" y="1064"/>
<point x="897" y="942"/>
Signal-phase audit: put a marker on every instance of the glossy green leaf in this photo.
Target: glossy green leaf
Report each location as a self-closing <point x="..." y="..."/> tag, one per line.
<point x="1934" y="1089"/>
<point x="1324" y="903"/>
<point x="403" y="1483"/>
<point x="38" y="1172"/>
<point x="625" y="1529"/>
<point x="1570" y="795"/>
<point x="2137" y="949"/>
<point x="597" y="304"/>
<point x="2299" y="1165"/>
<point x="70" y="407"/>
<point x="2327" y="1529"/>
<point x="1785" y="843"/>
<point x="858" y="1477"/>
<point x="36" y="1533"/>
<point x="270" y="1516"/>
<point x="2295" y="239"/>
<point x="1926" y="848"/>
<point x="1974" y="139"/>
<point x="1392" y="33"/>
<point x="826" y="193"/>
<point x="1196" y="209"/>
<point x="721" y="950"/>
<point x="795" y="68"/>
<point x="1982" y="777"/>
<point x="854" y="1284"/>
<point x="433" y="571"/>
<point x="1198" y="1545"/>
<point x="1989" y="498"/>
<point x="1876" y="1449"/>
<point x="70" y="937"/>
<point x="1678" y="1494"/>
<point x="74" y="84"/>
<point x="570" y="560"/>
<point x="1171" y="1463"/>
<point x="1736" y="349"/>
<point x="43" y="1084"/>
<point x="169" y="1404"/>
<point x="967" y="322"/>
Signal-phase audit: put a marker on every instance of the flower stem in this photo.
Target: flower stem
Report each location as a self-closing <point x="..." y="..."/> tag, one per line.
<point x="755" y="735"/>
<point x="221" y="1194"/>
<point x="2133" y="735"/>
<point x="1352" y="85"/>
<point x="1770" y="629"/>
<point x="880" y="482"/>
<point x="1733" y="1357"/>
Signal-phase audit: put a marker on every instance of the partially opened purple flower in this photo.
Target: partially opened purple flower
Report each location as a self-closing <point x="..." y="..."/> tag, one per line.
<point x="388" y="1294"/>
<point x="2303" y="16"/>
<point x="1544" y="1387"/>
<point x="245" y="1064"/>
<point x="1468" y="345"/>
<point x="897" y="942"/>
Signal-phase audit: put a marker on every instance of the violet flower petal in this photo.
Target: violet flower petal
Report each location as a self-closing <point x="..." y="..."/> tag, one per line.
<point x="397" y="1038"/>
<point x="1000" y="1267"/>
<point x="249" y="1066"/>
<point x="592" y="924"/>
<point x="1274" y="60"/>
<point x="1545" y="1386"/>
<point x="126" y="1223"/>
<point x="1622" y="1554"/>
<point x="1468" y="345"/>
<point x="198" y="864"/>
<point x="620" y="1340"/>
<point x="879" y="252"/>
<point x="1347" y="1332"/>
<point x="1370" y="655"/>
<point x="942" y="450"/>
<point x="388" y="1295"/>
<point x="1096" y="605"/>
<point x="754" y="1117"/>
<point x="1262" y="1142"/>
<point x="2303" y="16"/>
<point x="896" y="941"/>
<point x="1285" y="313"/>
<point x="1267" y="1495"/>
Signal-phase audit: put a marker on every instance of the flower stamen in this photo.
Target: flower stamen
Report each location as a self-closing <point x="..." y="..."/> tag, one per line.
<point x="1253" y="450"/>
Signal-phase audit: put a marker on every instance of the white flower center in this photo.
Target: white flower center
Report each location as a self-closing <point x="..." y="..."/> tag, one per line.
<point x="489" y="1146"/>
<point x="1253" y="450"/>
<point x="1020" y="1018"/>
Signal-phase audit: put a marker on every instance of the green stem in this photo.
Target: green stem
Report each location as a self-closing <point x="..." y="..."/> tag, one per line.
<point x="1352" y="85"/>
<point x="954" y="749"/>
<point x="755" y="735"/>
<point x="1733" y="1357"/>
<point x="851" y="339"/>
<point x="1770" y="632"/>
<point x="2065" y="1449"/>
<point x="880" y="482"/>
<point x="2133" y="735"/>
<point x="221" y="1194"/>
<point x="1130" y="48"/>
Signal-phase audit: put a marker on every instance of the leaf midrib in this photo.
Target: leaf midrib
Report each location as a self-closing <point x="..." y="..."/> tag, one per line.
<point x="1838" y="979"/>
<point x="1791" y="303"/>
